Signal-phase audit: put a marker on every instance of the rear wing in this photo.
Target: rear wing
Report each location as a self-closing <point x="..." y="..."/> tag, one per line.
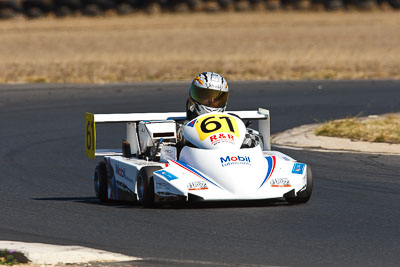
<point x="131" y="119"/>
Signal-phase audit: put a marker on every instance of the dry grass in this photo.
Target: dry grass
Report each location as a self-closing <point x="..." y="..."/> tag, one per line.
<point x="286" y="45"/>
<point x="379" y="129"/>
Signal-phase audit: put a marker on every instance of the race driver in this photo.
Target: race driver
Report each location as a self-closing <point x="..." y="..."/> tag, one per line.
<point x="209" y="92"/>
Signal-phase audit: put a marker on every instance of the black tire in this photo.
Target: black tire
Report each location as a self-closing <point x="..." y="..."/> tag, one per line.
<point x="305" y="195"/>
<point x="227" y="5"/>
<point x="273" y="5"/>
<point x="7" y="13"/>
<point x="63" y="11"/>
<point x="302" y="4"/>
<point x="181" y="7"/>
<point x="124" y="9"/>
<point x="332" y="5"/>
<point x="153" y="8"/>
<point x="195" y="5"/>
<point x="365" y="4"/>
<point x="145" y="186"/>
<point x="100" y="181"/>
<point x="34" y="12"/>
<point x="92" y="10"/>
<point x="242" y="5"/>
<point x="394" y="4"/>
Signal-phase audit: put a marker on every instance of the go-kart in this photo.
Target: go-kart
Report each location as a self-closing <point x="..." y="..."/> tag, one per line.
<point x="159" y="164"/>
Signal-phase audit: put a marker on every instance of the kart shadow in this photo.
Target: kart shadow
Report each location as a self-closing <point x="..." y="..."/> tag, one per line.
<point x="229" y="204"/>
<point x="89" y="200"/>
<point x="188" y="205"/>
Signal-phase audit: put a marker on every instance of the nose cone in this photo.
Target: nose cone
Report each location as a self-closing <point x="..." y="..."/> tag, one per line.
<point x="239" y="171"/>
<point x="242" y="179"/>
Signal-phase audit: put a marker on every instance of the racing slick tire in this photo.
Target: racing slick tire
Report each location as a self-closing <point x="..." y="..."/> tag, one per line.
<point x="305" y="195"/>
<point x="100" y="181"/>
<point x="145" y="186"/>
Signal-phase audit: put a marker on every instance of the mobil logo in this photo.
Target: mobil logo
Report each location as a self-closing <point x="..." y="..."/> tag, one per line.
<point x="235" y="160"/>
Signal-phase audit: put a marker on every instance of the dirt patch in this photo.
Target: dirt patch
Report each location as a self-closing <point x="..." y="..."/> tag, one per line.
<point x="241" y="46"/>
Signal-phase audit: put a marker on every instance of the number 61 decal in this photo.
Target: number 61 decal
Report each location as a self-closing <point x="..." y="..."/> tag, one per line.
<point x="214" y="123"/>
<point x="90" y="135"/>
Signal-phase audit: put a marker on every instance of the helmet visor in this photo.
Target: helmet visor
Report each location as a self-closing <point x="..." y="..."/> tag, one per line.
<point x="209" y="97"/>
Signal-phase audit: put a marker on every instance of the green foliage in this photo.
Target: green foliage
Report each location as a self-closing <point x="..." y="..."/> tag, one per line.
<point x="7" y="258"/>
<point x="11" y="257"/>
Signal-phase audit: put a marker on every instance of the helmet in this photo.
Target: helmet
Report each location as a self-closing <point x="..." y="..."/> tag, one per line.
<point x="208" y="92"/>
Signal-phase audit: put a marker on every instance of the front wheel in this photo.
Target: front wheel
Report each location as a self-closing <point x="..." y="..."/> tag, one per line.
<point x="145" y="186"/>
<point x="305" y="195"/>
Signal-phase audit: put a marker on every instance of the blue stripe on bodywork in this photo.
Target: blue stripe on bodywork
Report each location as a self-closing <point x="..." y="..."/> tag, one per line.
<point x="269" y="160"/>
<point x="196" y="172"/>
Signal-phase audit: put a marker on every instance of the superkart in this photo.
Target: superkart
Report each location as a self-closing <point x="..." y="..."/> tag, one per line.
<point x="213" y="166"/>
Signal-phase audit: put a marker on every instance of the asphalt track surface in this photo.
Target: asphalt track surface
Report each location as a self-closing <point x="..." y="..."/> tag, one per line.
<point x="46" y="191"/>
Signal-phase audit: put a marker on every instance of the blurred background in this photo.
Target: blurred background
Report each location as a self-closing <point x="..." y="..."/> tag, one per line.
<point x="102" y="41"/>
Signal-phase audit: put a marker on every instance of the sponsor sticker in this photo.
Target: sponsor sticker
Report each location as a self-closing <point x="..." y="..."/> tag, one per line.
<point x="280" y="182"/>
<point x="197" y="185"/>
<point x="235" y="160"/>
<point x="222" y="138"/>
<point x="121" y="172"/>
<point x="167" y="175"/>
<point x="298" y="168"/>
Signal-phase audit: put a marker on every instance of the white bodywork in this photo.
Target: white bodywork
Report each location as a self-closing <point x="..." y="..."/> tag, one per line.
<point x="217" y="169"/>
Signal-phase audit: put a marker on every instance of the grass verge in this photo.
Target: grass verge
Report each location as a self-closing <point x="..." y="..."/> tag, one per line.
<point x="241" y="46"/>
<point x="373" y="129"/>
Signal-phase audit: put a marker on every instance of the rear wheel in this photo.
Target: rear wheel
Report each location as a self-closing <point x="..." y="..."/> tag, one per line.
<point x="145" y="186"/>
<point x="100" y="181"/>
<point x="305" y="195"/>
